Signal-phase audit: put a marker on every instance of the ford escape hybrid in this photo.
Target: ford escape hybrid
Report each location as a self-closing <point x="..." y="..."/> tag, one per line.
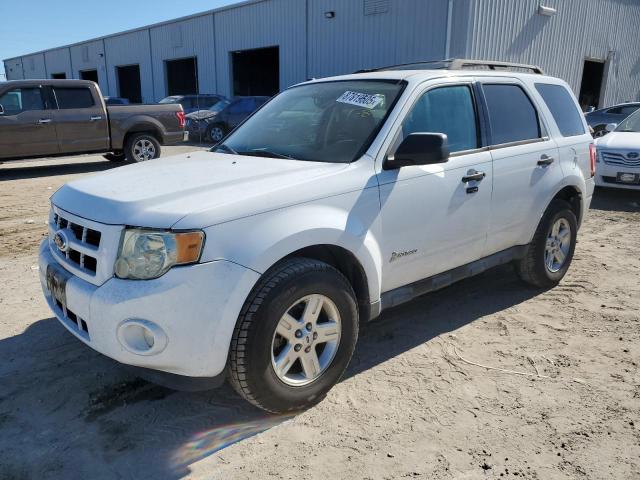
<point x="257" y="261"/>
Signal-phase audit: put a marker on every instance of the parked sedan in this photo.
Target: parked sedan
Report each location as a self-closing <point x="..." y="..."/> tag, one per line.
<point x="618" y="159"/>
<point x="213" y="124"/>
<point x="598" y="119"/>
<point x="193" y="103"/>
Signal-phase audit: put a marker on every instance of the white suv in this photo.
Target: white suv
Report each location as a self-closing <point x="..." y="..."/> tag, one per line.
<point x="339" y="198"/>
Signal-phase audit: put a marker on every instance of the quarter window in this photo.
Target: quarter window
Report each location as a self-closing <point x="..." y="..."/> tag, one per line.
<point x="21" y="100"/>
<point x="69" y="98"/>
<point x="448" y="110"/>
<point x="512" y="116"/>
<point x="563" y="109"/>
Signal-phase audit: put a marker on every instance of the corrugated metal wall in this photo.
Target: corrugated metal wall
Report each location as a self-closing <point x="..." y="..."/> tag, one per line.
<point x="130" y="49"/>
<point x="90" y="56"/>
<point x="34" y="66"/>
<point x="279" y="23"/>
<point x="373" y="33"/>
<point x="605" y="30"/>
<point x="13" y="68"/>
<point x="58" y="61"/>
<point x="190" y="38"/>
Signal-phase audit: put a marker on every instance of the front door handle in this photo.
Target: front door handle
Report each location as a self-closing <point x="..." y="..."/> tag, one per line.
<point x="95" y="119"/>
<point x="545" y="161"/>
<point x="43" y="121"/>
<point x="473" y="175"/>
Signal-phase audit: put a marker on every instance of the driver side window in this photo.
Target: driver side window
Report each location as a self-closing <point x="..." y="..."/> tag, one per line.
<point x="21" y="100"/>
<point x="448" y="110"/>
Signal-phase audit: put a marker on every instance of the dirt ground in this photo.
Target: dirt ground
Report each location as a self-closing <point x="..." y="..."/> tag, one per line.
<point x="561" y="399"/>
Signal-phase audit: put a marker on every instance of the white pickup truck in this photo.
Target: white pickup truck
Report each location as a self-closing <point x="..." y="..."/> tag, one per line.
<point x="339" y="198"/>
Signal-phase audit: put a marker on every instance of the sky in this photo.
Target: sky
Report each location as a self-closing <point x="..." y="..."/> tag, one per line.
<point x="41" y="24"/>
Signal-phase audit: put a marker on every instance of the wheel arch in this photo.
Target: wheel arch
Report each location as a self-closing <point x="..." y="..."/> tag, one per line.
<point x="573" y="196"/>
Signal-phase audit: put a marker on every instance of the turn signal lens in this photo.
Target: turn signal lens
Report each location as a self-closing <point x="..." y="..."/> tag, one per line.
<point x="188" y="247"/>
<point x="592" y="159"/>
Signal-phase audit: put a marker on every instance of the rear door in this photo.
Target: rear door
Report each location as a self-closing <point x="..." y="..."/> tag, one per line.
<point x="526" y="168"/>
<point x="26" y="127"/>
<point x="432" y="219"/>
<point x="80" y="120"/>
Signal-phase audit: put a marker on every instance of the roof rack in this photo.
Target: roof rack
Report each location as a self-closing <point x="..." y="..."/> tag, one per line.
<point x="460" y="64"/>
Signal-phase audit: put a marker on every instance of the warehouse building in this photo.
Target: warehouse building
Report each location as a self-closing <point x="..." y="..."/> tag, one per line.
<point x="260" y="47"/>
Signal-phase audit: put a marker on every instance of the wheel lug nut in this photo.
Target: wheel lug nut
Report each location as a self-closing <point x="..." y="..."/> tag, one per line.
<point x="309" y="326"/>
<point x="297" y="347"/>
<point x="307" y="349"/>
<point x="298" y="334"/>
<point x="315" y="335"/>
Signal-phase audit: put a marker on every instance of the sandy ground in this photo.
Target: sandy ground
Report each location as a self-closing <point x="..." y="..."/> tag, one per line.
<point x="413" y="404"/>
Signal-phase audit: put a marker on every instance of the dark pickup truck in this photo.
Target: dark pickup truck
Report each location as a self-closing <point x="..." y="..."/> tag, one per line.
<point x="42" y="118"/>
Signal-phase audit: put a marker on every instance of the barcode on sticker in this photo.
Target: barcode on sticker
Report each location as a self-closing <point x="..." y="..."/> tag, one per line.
<point x="364" y="100"/>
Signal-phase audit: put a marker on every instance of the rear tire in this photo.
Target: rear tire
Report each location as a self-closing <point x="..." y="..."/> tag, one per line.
<point x="141" y="147"/>
<point x="283" y="358"/>
<point x="216" y="132"/>
<point x="549" y="254"/>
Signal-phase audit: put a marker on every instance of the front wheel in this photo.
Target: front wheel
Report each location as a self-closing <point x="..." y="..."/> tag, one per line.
<point x="295" y="336"/>
<point x="215" y="133"/>
<point x="141" y="147"/>
<point x="550" y="253"/>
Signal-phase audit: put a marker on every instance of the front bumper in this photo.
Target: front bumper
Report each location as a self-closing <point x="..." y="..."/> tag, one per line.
<point x="195" y="306"/>
<point x="606" y="176"/>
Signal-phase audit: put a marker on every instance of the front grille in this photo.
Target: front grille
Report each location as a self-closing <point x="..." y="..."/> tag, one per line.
<point x="83" y="250"/>
<point x="620" y="159"/>
<point x="72" y="319"/>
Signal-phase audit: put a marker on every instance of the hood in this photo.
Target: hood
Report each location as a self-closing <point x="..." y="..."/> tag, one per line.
<point x="215" y="186"/>
<point x="201" y="114"/>
<point x="620" y="140"/>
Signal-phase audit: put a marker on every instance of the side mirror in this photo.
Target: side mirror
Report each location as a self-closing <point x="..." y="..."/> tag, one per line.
<point x="419" y="149"/>
<point x="1" y="109"/>
<point x="611" y="127"/>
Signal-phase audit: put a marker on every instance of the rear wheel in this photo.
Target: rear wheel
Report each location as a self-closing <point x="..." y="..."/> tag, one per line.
<point x="295" y="336"/>
<point x="141" y="147"/>
<point x="215" y="133"/>
<point x="549" y="255"/>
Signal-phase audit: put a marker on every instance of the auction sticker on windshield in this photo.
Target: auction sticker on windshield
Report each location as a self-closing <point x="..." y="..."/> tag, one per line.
<point x="364" y="100"/>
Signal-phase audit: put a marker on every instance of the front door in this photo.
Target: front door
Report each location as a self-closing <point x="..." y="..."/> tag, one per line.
<point x="433" y="217"/>
<point x="80" y="120"/>
<point x="26" y="127"/>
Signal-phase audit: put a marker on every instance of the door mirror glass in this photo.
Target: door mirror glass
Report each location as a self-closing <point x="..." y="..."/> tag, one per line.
<point x="419" y="149"/>
<point x="611" y="127"/>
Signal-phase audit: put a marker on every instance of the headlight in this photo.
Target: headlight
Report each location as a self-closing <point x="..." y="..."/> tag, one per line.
<point x="146" y="254"/>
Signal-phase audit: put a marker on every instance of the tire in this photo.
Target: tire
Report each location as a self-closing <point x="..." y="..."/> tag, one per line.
<point x="256" y="345"/>
<point x="539" y="267"/>
<point x="216" y="132"/>
<point x="115" y="157"/>
<point x="141" y="147"/>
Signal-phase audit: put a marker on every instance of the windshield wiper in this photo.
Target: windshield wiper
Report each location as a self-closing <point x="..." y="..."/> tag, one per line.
<point x="224" y="147"/>
<point x="261" y="152"/>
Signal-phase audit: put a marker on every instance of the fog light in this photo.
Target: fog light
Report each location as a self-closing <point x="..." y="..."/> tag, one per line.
<point x="142" y="337"/>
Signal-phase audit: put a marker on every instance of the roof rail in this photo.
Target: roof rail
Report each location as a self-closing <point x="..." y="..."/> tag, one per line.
<point x="460" y="64"/>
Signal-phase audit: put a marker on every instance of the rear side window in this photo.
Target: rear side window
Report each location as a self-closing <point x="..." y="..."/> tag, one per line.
<point x="563" y="109"/>
<point x="69" y="98"/>
<point x="448" y="110"/>
<point x="21" y="100"/>
<point x="512" y="116"/>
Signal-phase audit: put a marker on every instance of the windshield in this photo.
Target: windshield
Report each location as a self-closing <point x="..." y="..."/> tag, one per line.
<point x="630" y="124"/>
<point x="322" y="122"/>
<point x="174" y="99"/>
<point x="218" y="107"/>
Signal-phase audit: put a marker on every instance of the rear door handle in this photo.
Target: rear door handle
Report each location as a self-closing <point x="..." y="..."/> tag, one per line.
<point x="42" y="121"/>
<point x="545" y="161"/>
<point x="473" y="175"/>
<point x="95" y="119"/>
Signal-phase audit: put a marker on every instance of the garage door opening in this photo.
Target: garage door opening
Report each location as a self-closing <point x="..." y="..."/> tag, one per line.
<point x="129" y="83"/>
<point x="591" y="86"/>
<point x="182" y="76"/>
<point x="256" y="72"/>
<point x="91" y="75"/>
<point x="59" y="76"/>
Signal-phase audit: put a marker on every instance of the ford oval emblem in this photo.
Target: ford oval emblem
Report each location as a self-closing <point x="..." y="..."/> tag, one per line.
<point x="61" y="241"/>
<point x="633" y="155"/>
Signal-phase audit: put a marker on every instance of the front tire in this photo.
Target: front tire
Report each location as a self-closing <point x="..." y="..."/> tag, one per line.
<point x="215" y="133"/>
<point x="549" y="255"/>
<point x="295" y="336"/>
<point x="141" y="147"/>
